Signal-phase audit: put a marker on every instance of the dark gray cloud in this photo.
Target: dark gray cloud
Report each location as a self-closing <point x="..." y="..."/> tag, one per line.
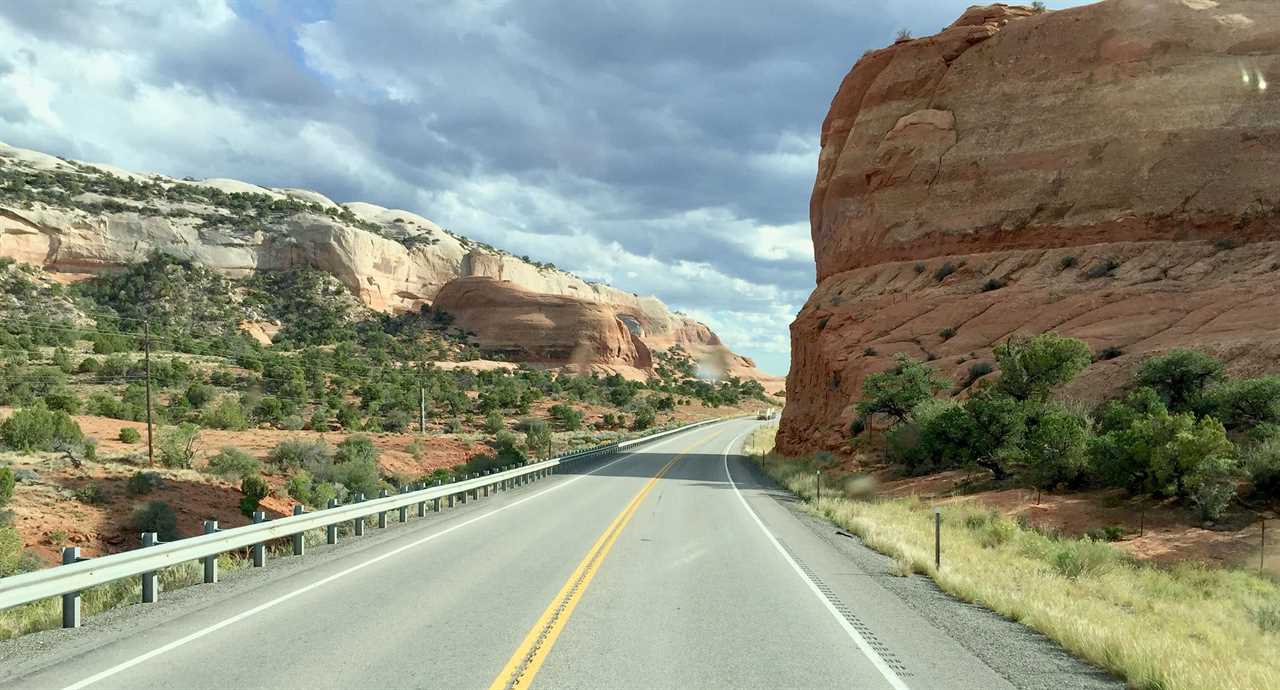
<point x="667" y="146"/>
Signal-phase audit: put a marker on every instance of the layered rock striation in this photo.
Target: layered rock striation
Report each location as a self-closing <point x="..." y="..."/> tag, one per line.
<point x="1106" y="171"/>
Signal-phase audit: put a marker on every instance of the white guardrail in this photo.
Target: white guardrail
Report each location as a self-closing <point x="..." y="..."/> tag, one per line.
<point x="78" y="574"/>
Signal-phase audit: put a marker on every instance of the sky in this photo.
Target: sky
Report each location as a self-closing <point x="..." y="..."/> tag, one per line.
<point x="666" y="147"/>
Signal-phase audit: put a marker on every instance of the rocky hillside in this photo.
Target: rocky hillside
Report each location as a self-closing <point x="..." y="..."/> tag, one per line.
<point x="74" y="219"/>
<point x="1106" y="171"/>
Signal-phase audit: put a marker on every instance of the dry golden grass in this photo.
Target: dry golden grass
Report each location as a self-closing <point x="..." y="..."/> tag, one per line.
<point x="1188" y="626"/>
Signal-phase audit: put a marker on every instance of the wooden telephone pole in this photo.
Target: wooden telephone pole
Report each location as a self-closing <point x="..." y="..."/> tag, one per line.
<point x="146" y="345"/>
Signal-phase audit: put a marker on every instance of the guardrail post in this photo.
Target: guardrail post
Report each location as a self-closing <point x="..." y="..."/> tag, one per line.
<point x="486" y="486"/>
<point x="359" y="521"/>
<point x="299" y="543"/>
<point x="331" y="531"/>
<point x="382" y="514"/>
<point x="259" y="549"/>
<point x="210" y="562"/>
<point x="149" y="578"/>
<point x="70" y="600"/>
<point x="422" y="505"/>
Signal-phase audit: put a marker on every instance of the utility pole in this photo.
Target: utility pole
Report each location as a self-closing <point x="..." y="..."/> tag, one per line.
<point x="422" y="410"/>
<point x="146" y="344"/>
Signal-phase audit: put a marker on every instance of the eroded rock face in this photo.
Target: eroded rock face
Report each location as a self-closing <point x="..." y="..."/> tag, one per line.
<point x="393" y="260"/>
<point x="1108" y="171"/>
<point x="526" y="326"/>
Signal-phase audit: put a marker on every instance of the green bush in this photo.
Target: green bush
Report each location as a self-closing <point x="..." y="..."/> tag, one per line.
<point x="1242" y="403"/>
<point x="198" y="394"/>
<point x="644" y="418"/>
<point x="227" y="414"/>
<point x="129" y="434"/>
<point x="897" y="391"/>
<point x="38" y="428"/>
<point x="10" y="551"/>
<point x="1030" y="369"/>
<point x="158" y="517"/>
<point x="1261" y="464"/>
<point x="1211" y="485"/>
<point x="1159" y="452"/>
<point x="357" y="448"/>
<point x="254" y="489"/>
<point x="537" y="437"/>
<point x="569" y="418"/>
<point x="91" y="494"/>
<point x="6" y="486"/>
<point x="143" y="483"/>
<point x="293" y="454"/>
<point x="176" y="445"/>
<point x="1180" y="377"/>
<point x="301" y="489"/>
<point x="1055" y="446"/>
<point x="233" y="463"/>
<point x="493" y="422"/>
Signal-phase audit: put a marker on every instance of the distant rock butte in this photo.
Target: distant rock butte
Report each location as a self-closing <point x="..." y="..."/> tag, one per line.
<point x="400" y="268"/>
<point x="1106" y="171"/>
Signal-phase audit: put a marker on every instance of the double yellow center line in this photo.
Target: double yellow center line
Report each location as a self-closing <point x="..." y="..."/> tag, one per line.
<point x="532" y="652"/>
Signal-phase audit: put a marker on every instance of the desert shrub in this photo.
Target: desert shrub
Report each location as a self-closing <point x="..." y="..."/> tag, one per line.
<point x="1055" y="446"/>
<point x="992" y="284"/>
<point x="396" y="421"/>
<point x="62" y="399"/>
<point x="222" y="377"/>
<point x="644" y="418"/>
<point x="1180" y="377"/>
<point x="897" y="391"/>
<point x="321" y="417"/>
<point x="493" y="422"/>
<point x="1159" y="452"/>
<point x="233" y="463"/>
<point x="1102" y="269"/>
<point x="1261" y="464"/>
<point x="1107" y="533"/>
<point x="88" y="365"/>
<point x="322" y="492"/>
<point x="610" y="420"/>
<point x="976" y="371"/>
<point x="870" y="352"/>
<point x="254" y="489"/>
<point x="1242" y="403"/>
<point x="569" y="418"/>
<point x="1211" y="484"/>
<point x="301" y="488"/>
<point x="1066" y="262"/>
<point x="1030" y="369"/>
<point x="292" y="423"/>
<point x="947" y="333"/>
<point x="142" y="483"/>
<point x="6" y="486"/>
<point x="1109" y="352"/>
<point x="158" y="517"/>
<point x="10" y="551"/>
<point x="129" y="434"/>
<point x="1079" y="557"/>
<point x="293" y="454"/>
<point x="198" y="394"/>
<point x="176" y="445"/>
<point x="38" y="428"/>
<point x="357" y="476"/>
<point x="943" y="271"/>
<point x="227" y="414"/>
<point x="91" y="494"/>
<point x="919" y="267"/>
<point x="357" y="448"/>
<point x="537" y="437"/>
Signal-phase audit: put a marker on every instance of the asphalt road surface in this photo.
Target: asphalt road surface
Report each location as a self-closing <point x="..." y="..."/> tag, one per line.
<point x="675" y="566"/>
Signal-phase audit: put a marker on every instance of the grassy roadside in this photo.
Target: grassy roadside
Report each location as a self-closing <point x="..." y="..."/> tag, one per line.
<point x="1187" y="626"/>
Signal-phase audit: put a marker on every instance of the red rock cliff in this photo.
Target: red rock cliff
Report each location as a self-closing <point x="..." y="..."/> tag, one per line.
<point x="1108" y="171"/>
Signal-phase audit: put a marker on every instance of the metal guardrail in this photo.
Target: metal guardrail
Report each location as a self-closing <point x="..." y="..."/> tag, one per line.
<point x="77" y="574"/>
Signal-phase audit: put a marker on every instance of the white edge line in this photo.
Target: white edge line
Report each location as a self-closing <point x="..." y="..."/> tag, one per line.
<point x="866" y="649"/>
<point x="102" y="675"/>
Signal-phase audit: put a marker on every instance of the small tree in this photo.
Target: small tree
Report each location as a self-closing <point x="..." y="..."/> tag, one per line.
<point x="1180" y="377"/>
<point x="645" y="417"/>
<point x="569" y="418"/>
<point x="176" y="445"/>
<point x="39" y="428"/>
<point x="1030" y="369"/>
<point x="1055" y="447"/>
<point x="129" y="434"/>
<point x="897" y="391"/>
<point x="493" y="422"/>
<point x="254" y="489"/>
<point x="537" y="438"/>
<point x="1242" y="403"/>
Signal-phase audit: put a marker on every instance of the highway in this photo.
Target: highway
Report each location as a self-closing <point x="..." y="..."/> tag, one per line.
<point x="675" y="566"/>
